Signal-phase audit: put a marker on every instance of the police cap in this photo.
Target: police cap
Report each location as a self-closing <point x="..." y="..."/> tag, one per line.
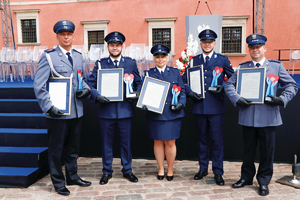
<point x="63" y="25"/>
<point x="115" y="37"/>
<point x="160" y="49"/>
<point x="207" y="35"/>
<point x="256" y="39"/>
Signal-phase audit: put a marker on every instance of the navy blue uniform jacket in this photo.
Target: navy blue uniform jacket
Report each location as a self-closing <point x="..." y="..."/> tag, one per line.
<point x="172" y="76"/>
<point x="117" y="109"/>
<point x="213" y="103"/>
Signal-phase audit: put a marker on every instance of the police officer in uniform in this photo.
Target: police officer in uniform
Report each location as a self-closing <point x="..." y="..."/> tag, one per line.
<point x="115" y="115"/>
<point x="165" y="128"/>
<point x="259" y="121"/>
<point x="209" y="112"/>
<point x="63" y="130"/>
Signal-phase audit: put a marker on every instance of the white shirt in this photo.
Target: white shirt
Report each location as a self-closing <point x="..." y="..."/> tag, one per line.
<point x="161" y="69"/>
<point x="260" y="62"/>
<point x="209" y="55"/>
<point x="113" y="60"/>
<point x="65" y="51"/>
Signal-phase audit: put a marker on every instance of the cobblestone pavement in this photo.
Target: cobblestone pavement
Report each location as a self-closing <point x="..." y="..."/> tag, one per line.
<point x="183" y="186"/>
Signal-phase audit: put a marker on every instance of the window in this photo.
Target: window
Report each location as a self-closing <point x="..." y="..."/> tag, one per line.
<point x="28" y="26"/>
<point x="161" y="30"/>
<point x="162" y="36"/>
<point x="232" y="39"/>
<point x="234" y="35"/>
<point x="95" y="37"/>
<point x="94" y="32"/>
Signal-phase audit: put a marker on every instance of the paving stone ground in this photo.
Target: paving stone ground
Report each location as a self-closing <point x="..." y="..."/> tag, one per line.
<point x="182" y="187"/>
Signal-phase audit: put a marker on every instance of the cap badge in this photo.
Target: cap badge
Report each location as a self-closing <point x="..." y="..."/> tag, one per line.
<point x="207" y="31"/>
<point x="159" y="46"/>
<point x="254" y="36"/>
<point x="116" y="33"/>
<point x="64" y="22"/>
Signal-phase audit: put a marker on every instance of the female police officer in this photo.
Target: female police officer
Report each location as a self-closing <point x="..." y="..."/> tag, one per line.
<point x="164" y="128"/>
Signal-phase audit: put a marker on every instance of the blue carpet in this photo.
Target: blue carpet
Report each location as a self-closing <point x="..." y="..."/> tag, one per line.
<point x="18" y="100"/>
<point x="16" y="171"/>
<point x="22" y="149"/>
<point x="23" y="130"/>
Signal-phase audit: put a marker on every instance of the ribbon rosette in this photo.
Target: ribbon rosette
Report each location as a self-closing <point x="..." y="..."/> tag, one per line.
<point x="272" y="80"/>
<point x="175" y="91"/>
<point x="128" y="79"/>
<point x="216" y="74"/>
<point x="79" y="80"/>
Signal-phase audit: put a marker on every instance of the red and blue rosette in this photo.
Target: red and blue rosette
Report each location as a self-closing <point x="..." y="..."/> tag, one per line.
<point x="272" y="81"/>
<point x="128" y="79"/>
<point x="175" y="91"/>
<point x="79" y="80"/>
<point x="216" y="74"/>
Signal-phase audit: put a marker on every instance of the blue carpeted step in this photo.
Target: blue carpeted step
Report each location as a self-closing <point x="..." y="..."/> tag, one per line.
<point x="19" y="106"/>
<point x="22" y="120"/>
<point x="23" y="156"/>
<point x="19" y="137"/>
<point x="18" y="176"/>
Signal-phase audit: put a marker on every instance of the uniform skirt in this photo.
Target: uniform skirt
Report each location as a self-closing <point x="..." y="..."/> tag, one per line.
<point x="164" y="130"/>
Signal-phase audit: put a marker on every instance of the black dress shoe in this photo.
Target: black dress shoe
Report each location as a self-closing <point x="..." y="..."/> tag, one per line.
<point x="169" y="178"/>
<point x="241" y="183"/>
<point x="131" y="177"/>
<point x="105" y="179"/>
<point x="159" y="177"/>
<point x="263" y="190"/>
<point x="219" y="179"/>
<point x="200" y="175"/>
<point x="79" y="182"/>
<point x="62" y="191"/>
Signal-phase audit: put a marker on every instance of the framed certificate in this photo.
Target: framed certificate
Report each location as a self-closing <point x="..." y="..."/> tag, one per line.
<point x="153" y="94"/>
<point x="195" y="78"/>
<point x="110" y="83"/>
<point x="251" y="84"/>
<point x="60" y="91"/>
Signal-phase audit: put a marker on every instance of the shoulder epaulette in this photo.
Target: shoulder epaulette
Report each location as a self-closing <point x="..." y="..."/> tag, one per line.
<point x="101" y="59"/>
<point x="277" y="61"/>
<point x="49" y="50"/>
<point x="77" y="51"/>
<point x="247" y="62"/>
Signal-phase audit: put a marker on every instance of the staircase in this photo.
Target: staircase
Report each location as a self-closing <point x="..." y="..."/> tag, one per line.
<point x="23" y="136"/>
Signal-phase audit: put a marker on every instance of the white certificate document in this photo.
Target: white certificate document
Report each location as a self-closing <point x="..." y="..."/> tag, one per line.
<point x="110" y="84"/>
<point x="195" y="81"/>
<point x="58" y="94"/>
<point x="153" y="95"/>
<point x="250" y="84"/>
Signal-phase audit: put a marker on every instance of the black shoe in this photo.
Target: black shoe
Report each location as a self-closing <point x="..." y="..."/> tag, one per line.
<point x="80" y="182"/>
<point x="263" y="190"/>
<point x="131" y="177"/>
<point x="200" y="175"/>
<point x="241" y="183"/>
<point x="169" y="178"/>
<point x="62" y="191"/>
<point x="105" y="179"/>
<point x="159" y="177"/>
<point x="219" y="179"/>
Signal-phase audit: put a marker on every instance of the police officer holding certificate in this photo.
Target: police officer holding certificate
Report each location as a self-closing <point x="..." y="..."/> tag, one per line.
<point x="209" y="112"/>
<point x="165" y="128"/>
<point x="116" y="115"/>
<point x="259" y="121"/>
<point x="63" y="130"/>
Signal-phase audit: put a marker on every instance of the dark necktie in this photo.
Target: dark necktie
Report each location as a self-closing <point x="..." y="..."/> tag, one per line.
<point x="70" y="58"/>
<point x="116" y="63"/>
<point x="206" y="60"/>
<point x="162" y="74"/>
<point x="257" y="65"/>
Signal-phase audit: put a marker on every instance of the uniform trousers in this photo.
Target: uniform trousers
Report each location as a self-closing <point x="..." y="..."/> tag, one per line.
<point x="266" y="138"/>
<point x="107" y="129"/>
<point x="211" y="127"/>
<point x="64" y="143"/>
